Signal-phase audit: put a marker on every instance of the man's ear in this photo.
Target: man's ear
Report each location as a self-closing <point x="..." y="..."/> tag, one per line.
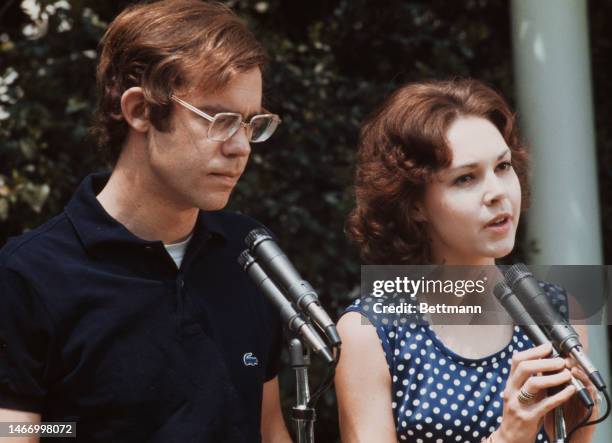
<point x="134" y="109"/>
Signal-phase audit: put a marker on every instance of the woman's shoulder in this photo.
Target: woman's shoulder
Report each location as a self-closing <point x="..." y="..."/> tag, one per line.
<point x="390" y="326"/>
<point x="384" y="312"/>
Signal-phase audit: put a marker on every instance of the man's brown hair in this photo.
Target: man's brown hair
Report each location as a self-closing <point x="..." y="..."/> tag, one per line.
<point x="165" y="47"/>
<point x="401" y="147"/>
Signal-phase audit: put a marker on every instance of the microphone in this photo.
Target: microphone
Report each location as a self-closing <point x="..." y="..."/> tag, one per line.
<point x="522" y="318"/>
<point x="289" y="315"/>
<point x="557" y="329"/>
<point x="272" y="258"/>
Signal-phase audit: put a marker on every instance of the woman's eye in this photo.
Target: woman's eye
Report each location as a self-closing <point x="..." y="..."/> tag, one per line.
<point x="464" y="179"/>
<point x="504" y="166"/>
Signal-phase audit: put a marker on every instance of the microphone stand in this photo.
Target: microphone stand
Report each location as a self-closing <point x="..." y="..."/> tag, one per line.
<point x="301" y="337"/>
<point x="560" y="433"/>
<point x="303" y="415"/>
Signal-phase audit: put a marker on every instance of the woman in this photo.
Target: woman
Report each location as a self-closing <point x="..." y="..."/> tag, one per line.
<point x="441" y="179"/>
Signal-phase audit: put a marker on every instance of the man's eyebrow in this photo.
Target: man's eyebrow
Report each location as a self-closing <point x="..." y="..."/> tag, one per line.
<point x="473" y="165"/>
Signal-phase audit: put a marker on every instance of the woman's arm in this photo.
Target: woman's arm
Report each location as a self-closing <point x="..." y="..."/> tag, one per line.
<point x="273" y="429"/>
<point x="363" y="385"/>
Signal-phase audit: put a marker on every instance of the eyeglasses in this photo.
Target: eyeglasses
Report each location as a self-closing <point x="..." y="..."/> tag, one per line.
<point x="225" y="124"/>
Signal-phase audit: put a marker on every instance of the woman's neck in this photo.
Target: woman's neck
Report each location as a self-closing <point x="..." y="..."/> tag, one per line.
<point x="458" y="259"/>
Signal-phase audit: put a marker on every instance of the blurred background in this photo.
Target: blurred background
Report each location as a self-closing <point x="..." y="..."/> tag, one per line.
<point x="332" y="63"/>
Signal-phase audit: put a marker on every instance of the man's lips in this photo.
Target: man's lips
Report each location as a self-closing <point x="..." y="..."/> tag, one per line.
<point x="227" y="178"/>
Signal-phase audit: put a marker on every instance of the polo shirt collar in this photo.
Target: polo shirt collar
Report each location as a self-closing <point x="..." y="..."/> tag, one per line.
<point x="96" y="227"/>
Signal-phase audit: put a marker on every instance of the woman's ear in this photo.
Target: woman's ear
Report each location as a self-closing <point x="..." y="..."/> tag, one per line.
<point x="134" y="109"/>
<point x="419" y="213"/>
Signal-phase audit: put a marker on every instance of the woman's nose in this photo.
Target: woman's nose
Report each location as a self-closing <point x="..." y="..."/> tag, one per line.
<point x="494" y="190"/>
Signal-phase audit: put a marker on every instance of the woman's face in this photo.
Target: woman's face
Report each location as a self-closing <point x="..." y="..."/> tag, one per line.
<point x="473" y="206"/>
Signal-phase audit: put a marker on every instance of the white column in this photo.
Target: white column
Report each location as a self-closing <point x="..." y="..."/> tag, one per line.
<point x="553" y="78"/>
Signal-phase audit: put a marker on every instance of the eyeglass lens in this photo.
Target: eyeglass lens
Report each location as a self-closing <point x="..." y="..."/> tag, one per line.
<point x="225" y="126"/>
<point x="262" y="127"/>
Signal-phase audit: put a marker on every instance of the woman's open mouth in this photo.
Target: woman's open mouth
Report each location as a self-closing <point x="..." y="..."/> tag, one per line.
<point x="499" y="225"/>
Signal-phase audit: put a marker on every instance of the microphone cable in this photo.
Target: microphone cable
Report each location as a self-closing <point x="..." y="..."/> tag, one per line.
<point x="583" y="423"/>
<point x="328" y="380"/>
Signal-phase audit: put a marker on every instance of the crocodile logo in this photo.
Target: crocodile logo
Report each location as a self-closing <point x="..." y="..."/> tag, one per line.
<point x="249" y="359"/>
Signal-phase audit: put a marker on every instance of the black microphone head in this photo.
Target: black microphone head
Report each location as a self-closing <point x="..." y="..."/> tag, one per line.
<point x="256" y="236"/>
<point x="502" y="290"/>
<point x="245" y="259"/>
<point x="516" y="273"/>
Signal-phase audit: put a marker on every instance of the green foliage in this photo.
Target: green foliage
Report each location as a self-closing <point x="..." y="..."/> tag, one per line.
<point x="332" y="63"/>
<point x="46" y="99"/>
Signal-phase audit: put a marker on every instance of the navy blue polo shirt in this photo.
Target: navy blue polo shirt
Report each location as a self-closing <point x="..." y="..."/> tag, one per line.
<point x="99" y="327"/>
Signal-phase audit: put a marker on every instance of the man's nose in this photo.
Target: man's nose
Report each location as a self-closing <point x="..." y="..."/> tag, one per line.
<point x="237" y="145"/>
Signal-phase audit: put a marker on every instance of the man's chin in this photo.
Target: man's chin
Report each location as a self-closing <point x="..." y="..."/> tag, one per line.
<point x="214" y="203"/>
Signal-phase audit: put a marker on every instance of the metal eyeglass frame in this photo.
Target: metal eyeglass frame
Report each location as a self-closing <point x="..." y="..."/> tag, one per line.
<point x="211" y="118"/>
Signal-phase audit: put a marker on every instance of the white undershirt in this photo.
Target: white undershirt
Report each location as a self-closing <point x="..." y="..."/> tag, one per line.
<point x="177" y="250"/>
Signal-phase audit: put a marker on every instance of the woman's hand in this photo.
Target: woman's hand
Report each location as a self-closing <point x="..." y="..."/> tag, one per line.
<point x="521" y="421"/>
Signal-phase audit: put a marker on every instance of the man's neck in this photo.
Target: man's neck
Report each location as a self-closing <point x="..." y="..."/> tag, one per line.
<point x="132" y="198"/>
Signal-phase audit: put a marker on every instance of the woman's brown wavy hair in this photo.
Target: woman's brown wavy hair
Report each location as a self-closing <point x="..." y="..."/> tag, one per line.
<point x="401" y="146"/>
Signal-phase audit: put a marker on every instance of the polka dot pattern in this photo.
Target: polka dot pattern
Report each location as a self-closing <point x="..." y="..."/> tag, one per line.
<point x="439" y="396"/>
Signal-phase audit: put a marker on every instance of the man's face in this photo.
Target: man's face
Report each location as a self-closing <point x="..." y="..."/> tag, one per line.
<point x="191" y="170"/>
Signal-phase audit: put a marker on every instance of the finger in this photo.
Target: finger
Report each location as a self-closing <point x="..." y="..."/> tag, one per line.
<point x="581" y="375"/>
<point x="541" y="382"/>
<point x="525" y="369"/>
<point x="550" y="403"/>
<point x="530" y="354"/>
<point x="570" y="362"/>
<point x="584" y="378"/>
<point x="586" y="381"/>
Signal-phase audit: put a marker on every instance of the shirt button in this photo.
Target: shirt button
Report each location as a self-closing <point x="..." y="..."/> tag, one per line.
<point x="148" y="248"/>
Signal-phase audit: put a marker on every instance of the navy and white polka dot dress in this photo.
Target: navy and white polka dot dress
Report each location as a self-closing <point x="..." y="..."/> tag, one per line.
<point x="437" y="395"/>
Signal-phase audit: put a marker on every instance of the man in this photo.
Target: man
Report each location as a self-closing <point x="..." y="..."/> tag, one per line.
<point x="128" y="313"/>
